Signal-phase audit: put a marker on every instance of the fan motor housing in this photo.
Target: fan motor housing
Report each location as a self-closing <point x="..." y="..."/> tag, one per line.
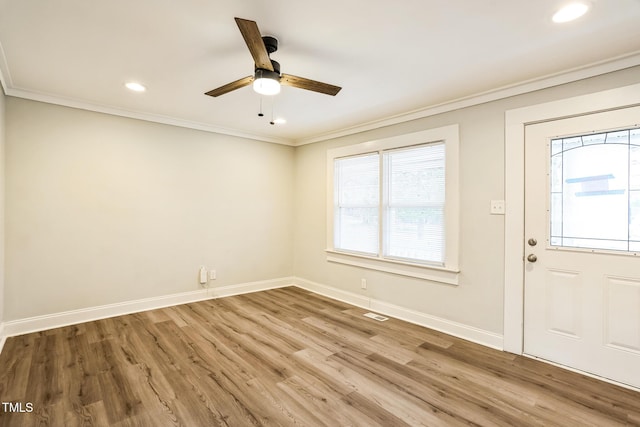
<point x="275" y="72"/>
<point x="271" y="43"/>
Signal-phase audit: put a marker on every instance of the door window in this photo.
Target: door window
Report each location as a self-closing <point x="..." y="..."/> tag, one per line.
<point x="595" y="191"/>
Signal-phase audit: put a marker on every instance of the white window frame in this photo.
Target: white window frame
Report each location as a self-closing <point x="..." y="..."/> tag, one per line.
<point x="447" y="273"/>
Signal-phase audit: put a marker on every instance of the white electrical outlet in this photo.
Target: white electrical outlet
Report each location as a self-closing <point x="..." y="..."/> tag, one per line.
<point x="497" y="207"/>
<point x="212" y="275"/>
<point x="363" y="284"/>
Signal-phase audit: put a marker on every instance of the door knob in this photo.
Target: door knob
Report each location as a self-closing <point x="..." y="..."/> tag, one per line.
<point x="532" y="258"/>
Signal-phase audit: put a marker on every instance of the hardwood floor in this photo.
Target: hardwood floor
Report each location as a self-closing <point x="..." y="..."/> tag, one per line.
<point x="287" y="357"/>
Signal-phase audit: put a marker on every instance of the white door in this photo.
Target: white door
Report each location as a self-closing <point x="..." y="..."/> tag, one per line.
<point x="582" y="243"/>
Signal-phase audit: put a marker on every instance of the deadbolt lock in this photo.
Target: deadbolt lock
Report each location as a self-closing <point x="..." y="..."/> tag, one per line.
<point x="532" y="242"/>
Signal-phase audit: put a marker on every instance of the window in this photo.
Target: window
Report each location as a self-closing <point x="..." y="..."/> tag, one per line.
<point x="414" y="197"/>
<point x="393" y="204"/>
<point x="357" y="195"/>
<point x="595" y="191"/>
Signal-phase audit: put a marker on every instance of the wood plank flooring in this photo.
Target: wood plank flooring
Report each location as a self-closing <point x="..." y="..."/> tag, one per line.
<point x="287" y="357"/>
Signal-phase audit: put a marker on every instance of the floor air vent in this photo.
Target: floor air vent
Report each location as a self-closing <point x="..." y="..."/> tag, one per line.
<point x="377" y="317"/>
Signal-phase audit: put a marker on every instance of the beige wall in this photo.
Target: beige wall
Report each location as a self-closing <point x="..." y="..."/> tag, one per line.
<point x="478" y="300"/>
<point x="103" y="209"/>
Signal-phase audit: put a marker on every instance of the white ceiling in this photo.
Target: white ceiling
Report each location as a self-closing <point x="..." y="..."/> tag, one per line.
<point x="391" y="58"/>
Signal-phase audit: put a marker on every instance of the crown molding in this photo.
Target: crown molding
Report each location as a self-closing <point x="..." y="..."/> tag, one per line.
<point x="567" y="76"/>
<point x="149" y="117"/>
<point x="5" y="76"/>
<point x="11" y="90"/>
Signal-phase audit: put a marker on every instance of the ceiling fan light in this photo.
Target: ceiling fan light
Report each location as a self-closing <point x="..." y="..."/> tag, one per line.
<point x="266" y="86"/>
<point x="266" y="82"/>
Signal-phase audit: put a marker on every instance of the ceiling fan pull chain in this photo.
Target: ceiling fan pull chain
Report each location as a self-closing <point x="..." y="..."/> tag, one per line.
<point x="273" y="102"/>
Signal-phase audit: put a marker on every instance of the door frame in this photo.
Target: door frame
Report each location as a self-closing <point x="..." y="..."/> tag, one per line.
<point x="515" y="122"/>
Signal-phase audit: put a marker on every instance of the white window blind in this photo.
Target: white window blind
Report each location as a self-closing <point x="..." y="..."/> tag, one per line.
<point x="357" y="204"/>
<point x="412" y="184"/>
<point x="414" y="190"/>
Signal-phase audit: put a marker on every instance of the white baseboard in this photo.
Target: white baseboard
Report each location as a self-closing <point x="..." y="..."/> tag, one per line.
<point x="66" y="318"/>
<point x="56" y="320"/>
<point x="334" y="293"/>
<point x="470" y="333"/>
<point x="246" y="288"/>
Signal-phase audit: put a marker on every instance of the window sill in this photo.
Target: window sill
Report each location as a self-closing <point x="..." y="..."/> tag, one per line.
<point x="426" y="272"/>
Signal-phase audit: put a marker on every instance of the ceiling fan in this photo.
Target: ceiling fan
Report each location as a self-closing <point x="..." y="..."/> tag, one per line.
<point x="267" y="78"/>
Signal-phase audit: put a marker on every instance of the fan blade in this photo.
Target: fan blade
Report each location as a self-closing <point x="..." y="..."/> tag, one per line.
<point x="308" y="84"/>
<point x="253" y="39"/>
<point x="245" y="81"/>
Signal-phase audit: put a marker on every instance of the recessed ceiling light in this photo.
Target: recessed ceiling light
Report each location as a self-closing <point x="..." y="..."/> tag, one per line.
<point x="135" y="86"/>
<point x="570" y="12"/>
<point x="279" y="121"/>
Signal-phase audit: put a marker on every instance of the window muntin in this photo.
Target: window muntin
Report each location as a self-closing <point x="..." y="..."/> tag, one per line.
<point x="595" y="191"/>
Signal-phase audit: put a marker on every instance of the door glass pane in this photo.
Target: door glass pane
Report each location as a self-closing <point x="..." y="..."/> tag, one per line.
<point x="556" y="214"/>
<point x="593" y="198"/>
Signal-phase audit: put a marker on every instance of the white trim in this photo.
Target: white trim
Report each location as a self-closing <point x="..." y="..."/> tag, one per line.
<point x="579" y="73"/>
<point x="139" y="115"/>
<point x="515" y="122"/>
<point x="247" y="288"/>
<point x="451" y="137"/>
<point x="66" y="318"/>
<point x="5" y="76"/>
<point x="56" y="320"/>
<point x="333" y="293"/>
<point x="426" y="272"/>
<point x="470" y="333"/>
<point x="10" y="90"/>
